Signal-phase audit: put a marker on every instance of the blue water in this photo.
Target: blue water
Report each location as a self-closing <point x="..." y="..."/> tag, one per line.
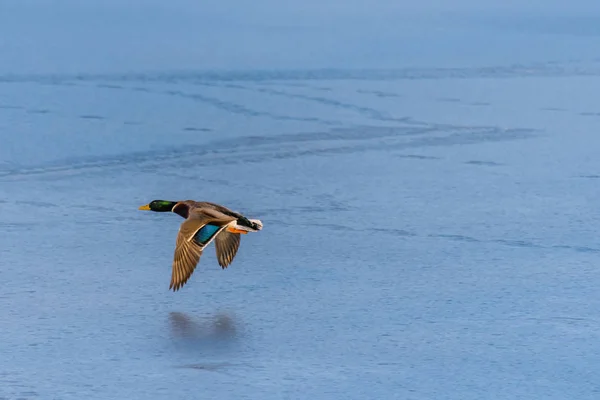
<point x="429" y="192"/>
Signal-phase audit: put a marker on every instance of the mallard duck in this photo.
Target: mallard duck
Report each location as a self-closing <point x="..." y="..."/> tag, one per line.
<point x="204" y="222"/>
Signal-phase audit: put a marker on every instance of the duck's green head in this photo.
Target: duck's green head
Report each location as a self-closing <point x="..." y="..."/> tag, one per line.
<point x="159" y="206"/>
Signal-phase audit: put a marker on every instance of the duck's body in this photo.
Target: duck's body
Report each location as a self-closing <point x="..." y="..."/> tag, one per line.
<point x="204" y="223"/>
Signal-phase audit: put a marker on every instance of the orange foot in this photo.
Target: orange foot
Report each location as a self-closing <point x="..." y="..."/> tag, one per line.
<point x="233" y="230"/>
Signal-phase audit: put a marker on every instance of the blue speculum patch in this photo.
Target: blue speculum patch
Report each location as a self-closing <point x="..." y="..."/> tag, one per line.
<point x="205" y="233"/>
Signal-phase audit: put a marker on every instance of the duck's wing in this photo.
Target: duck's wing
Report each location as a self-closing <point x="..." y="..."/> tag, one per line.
<point x="226" y="245"/>
<point x="187" y="253"/>
<point x="194" y="234"/>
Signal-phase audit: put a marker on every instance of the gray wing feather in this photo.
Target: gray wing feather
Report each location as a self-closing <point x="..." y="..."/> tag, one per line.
<point x="226" y="245"/>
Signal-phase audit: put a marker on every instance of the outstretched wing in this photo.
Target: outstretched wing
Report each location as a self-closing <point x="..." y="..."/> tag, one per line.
<point x="226" y="245"/>
<point x="187" y="253"/>
<point x="195" y="233"/>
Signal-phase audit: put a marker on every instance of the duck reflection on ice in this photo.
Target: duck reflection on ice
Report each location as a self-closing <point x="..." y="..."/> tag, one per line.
<point x="205" y="342"/>
<point x="220" y="327"/>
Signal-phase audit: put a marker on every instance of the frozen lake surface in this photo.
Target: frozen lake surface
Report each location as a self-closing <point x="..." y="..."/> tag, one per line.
<point x="429" y="233"/>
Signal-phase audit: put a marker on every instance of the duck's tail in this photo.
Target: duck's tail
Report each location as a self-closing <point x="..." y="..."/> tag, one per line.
<point x="258" y="225"/>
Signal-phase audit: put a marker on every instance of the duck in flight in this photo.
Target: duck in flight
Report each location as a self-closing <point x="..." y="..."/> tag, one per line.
<point x="204" y="223"/>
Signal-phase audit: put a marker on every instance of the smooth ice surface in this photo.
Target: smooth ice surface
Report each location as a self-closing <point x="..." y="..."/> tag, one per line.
<point x="428" y="178"/>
